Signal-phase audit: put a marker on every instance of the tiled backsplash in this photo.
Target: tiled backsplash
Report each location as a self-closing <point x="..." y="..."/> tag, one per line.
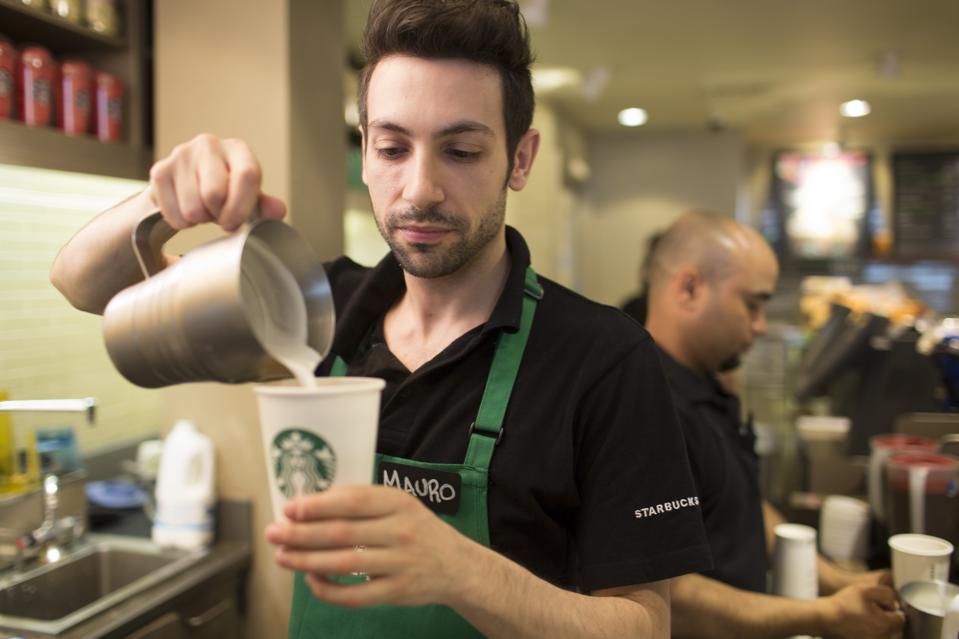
<point x="48" y="349"/>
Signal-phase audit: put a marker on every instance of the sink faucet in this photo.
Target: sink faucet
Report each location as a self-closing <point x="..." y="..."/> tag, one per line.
<point x="46" y="540"/>
<point x="55" y="533"/>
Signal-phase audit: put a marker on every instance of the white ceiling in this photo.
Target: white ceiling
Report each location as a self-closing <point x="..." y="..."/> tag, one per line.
<point x="774" y="70"/>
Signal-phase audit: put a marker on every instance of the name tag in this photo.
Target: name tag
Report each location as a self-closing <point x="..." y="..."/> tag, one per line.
<point x="437" y="489"/>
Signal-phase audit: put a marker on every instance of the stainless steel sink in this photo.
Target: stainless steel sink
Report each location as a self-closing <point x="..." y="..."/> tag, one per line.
<point x="97" y="575"/>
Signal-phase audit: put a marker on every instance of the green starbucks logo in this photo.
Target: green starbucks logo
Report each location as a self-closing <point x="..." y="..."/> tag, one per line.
<point x="302" y="462"/>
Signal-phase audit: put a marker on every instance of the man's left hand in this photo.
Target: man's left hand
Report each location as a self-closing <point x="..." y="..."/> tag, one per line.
<point x="412" y="557"/>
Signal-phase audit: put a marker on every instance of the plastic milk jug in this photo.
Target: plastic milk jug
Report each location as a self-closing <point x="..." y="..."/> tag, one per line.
<point x="184" y="493"/>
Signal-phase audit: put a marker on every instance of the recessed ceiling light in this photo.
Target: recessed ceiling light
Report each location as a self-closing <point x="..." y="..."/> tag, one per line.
<point x="632" y="117"/>
<point x="547" y="79"/>
<point x="854" y="108"/>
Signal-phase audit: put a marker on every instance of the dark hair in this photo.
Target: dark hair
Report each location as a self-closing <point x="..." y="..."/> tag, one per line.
<point x="491" y="32"/>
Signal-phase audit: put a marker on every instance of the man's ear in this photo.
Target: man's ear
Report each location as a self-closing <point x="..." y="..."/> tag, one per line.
<point x="523" y="159"/>
<point x="362" y="154"/>
<point x="688" y="284"/>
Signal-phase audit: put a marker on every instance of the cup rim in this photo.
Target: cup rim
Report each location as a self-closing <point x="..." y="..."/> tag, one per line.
<point x="895" y="542"/>
<point x="940" y="586"/>
<point x="795" y="532"/>
<point x="325" y="386"/>
<point x="844" y="504"/>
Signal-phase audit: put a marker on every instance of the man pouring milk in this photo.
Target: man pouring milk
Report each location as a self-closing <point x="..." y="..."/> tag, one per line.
<point x="549" y="412"/>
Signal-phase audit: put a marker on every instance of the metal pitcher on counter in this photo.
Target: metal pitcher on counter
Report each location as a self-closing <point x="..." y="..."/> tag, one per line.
<point x="214" y="313"/>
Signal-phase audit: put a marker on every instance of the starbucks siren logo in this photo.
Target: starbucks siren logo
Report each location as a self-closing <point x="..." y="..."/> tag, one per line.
<point x="302" y="462"/>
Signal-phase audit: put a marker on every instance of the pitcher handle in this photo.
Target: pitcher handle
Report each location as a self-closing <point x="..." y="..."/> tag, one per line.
<point x="949" y="444"/>
<point x="152" y="233"/>
<point x="149" y="236"/>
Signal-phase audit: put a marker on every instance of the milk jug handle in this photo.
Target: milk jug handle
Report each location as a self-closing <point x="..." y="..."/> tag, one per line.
<point x="149" y="236"/>
<point x="152" y="233"/>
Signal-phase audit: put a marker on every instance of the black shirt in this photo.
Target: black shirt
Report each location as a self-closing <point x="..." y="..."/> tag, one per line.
<point x="589" y="438"/>
<point x="726" y="469"/>
<point x="636" y="307"/>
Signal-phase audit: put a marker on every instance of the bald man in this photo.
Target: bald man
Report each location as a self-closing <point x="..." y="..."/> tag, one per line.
<point x="709" y="280"/>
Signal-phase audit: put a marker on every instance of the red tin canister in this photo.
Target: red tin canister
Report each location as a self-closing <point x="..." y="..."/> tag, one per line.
<point x="36" y="78"/>
<point x="108" y="106"/>
<point x="8" y="71"/>
<point x="74" y="114"/>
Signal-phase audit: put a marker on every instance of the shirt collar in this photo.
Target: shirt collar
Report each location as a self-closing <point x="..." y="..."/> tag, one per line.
<point x="689" y="384"/>
<point x="385" y="285"/>
<point x="506" y="314"/>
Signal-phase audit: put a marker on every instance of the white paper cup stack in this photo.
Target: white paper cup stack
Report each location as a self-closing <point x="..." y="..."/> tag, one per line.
<point x="794" y="563"/>
<point x="844" y="528"/>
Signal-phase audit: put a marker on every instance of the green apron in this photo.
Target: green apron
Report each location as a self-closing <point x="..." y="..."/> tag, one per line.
<point x="310" y="618"/>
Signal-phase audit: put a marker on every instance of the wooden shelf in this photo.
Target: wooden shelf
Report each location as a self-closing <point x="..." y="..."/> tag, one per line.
<point x="23" y="24"/>
<point x="127" y="57"/>
<point x="50" y="148"/>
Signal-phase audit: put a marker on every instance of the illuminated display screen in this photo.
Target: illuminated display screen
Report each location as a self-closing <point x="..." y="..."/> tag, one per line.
<point x="822" y="203"/>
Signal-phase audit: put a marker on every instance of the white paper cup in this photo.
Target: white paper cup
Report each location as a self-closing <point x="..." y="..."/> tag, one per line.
<point x="794" y="562"/>
<point x="844" y="528"/>
<point x="919" y="558"/>
<point x="316" y="438"/>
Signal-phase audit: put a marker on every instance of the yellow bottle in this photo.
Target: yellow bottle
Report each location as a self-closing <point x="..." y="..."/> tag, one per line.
<point x="13" y="478"/>
<point x="7" y="465"/>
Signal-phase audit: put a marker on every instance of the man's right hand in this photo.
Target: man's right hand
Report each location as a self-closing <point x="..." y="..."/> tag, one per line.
<point x="210" y="180"/>
<point x="204" y="180"/>
<point x="862" y="611"/>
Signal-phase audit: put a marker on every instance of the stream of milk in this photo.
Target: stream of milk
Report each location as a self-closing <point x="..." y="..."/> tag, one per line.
<point x="277" y="311"/>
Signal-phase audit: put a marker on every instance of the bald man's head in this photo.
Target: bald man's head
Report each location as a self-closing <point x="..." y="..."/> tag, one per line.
<point x="710" y="242"/>
<point x="709" y="279"/>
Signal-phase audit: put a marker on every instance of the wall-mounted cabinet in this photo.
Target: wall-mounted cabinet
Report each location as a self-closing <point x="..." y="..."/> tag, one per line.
<point x="126" y="55"/>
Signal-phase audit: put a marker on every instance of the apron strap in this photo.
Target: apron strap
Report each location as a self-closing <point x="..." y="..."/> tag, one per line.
<point x="487" y="430"/>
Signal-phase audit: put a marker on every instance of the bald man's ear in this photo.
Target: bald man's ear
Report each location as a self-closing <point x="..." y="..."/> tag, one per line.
<point x="688" y="287"/>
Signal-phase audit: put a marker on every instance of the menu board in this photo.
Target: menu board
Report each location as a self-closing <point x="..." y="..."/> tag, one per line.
<point x="822" y="201"/>
<point x="926" y="204"/>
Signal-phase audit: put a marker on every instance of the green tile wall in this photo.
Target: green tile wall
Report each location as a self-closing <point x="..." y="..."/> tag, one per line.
<point x="48" y="349"/>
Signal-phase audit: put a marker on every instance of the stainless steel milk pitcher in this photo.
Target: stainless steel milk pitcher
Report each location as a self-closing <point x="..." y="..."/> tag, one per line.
<point x="195" y="320"/>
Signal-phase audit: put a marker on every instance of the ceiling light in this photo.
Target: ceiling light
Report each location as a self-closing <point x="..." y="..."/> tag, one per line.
<point x="854" y="108"/>
<point x="632" y="117"/>
<point x="552" y="79"/>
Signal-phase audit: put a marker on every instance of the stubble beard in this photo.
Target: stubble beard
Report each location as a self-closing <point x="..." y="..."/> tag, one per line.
<point x="430" y="261"/>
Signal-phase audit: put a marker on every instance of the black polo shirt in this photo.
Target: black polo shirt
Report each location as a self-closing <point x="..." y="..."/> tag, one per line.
<point x="589" y="485"/>
<point x="726" y="469"/>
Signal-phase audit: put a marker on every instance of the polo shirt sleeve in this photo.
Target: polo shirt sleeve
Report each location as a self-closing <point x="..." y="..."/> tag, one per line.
<point x="639" y="518"/>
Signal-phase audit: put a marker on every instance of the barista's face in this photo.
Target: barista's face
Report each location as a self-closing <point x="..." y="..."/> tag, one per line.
<point x="435" y="161"/>
<point x="734" y="312"/>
